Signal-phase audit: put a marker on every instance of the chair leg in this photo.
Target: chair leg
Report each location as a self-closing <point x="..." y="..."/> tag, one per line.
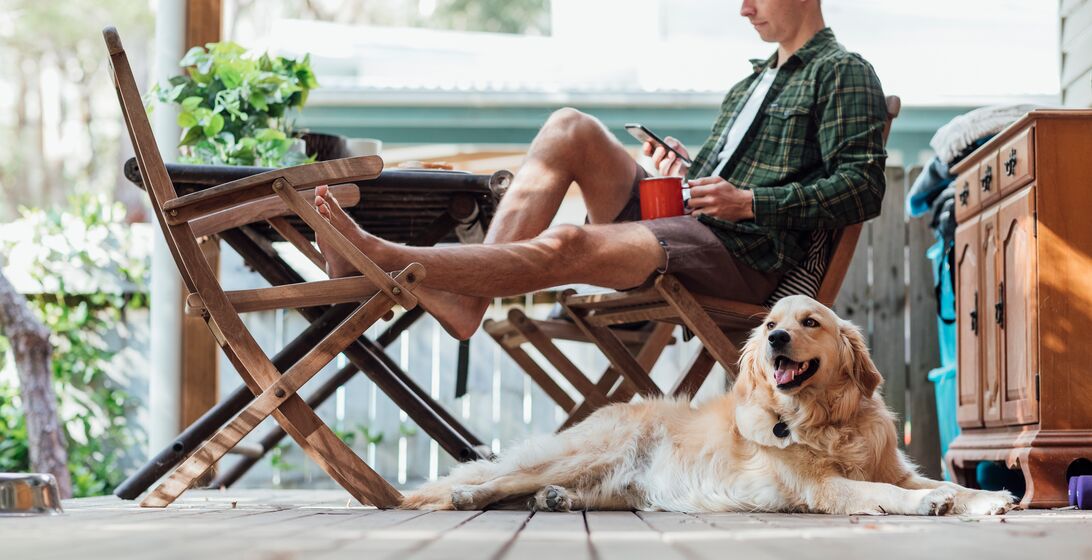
<point x="647" y="356"/>
<point x="699" y="322"/>
<point x="298" y="420"/>
<point x="533" y="370"/>
<point x="369" y="356"/>
<point x="616" y="353"/>
<point x="550" y="351"/>
<point x="689" y="383"/>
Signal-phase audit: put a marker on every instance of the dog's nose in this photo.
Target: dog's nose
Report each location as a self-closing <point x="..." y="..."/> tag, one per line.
<point x="779" y="338"/>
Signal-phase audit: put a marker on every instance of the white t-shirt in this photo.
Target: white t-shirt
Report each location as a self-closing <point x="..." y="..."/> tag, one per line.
<point x="734" y="134"/>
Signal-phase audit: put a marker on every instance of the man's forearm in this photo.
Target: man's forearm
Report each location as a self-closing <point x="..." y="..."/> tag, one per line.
<point x="851" y="195"/>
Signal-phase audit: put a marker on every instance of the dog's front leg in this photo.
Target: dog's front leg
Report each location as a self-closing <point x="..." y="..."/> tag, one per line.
<point x="757" y="424"/>
<point x="967" y="500"/>
<point x="844" y="496"/>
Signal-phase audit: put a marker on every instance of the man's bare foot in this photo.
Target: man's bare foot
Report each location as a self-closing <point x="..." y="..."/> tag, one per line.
<point x="459" y="315"/>
<point x="336" y="265"/>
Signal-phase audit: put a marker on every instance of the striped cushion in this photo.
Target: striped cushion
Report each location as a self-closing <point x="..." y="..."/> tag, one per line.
<point x="805" y="279"/>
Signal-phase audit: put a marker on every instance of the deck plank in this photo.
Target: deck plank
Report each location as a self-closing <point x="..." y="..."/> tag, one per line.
<point x="397" y="540"/>
<point x="552" y="535"/>
<point x="486" y="536"/>
<point x="622" y="535"/>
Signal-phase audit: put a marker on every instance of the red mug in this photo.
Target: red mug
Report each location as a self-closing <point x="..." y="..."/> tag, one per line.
<point x="661" y="197"/>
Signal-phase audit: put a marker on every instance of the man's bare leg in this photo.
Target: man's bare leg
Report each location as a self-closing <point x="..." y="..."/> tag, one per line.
<point x="570" y="147"/>
<point x="612" y="255"/>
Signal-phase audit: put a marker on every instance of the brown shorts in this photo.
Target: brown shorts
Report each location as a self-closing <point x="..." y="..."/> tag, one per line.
<point x="697" y="257"/>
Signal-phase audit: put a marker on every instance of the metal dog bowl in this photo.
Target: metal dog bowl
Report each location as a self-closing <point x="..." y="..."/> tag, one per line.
<point x="29" y="494"/>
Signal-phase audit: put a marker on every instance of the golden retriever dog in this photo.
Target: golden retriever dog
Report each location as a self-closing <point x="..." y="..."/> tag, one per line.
<point x="804" y="429"/>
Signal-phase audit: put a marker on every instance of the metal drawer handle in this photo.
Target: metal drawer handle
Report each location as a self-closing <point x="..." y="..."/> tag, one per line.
<point x="1010" y="165"/>
<point x="965" y="194"/>
<point x="974" y="315"/>
<point x="999" y="307"/>
<point x="987" y="178"/>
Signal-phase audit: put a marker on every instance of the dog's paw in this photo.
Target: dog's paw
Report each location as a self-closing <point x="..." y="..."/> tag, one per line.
<point x="552" y="498"/>
<point x="937" y="502"/>
<point x="981" y="502"/>
<point x="464" y="497"/>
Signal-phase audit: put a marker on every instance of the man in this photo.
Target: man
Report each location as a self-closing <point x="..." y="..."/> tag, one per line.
<point x="797" y="147"/>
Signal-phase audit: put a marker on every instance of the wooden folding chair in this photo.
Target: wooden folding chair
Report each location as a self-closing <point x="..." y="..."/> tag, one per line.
<point x="275" y="393"/>
<point x="720" y="324"/>
<point x="645" y="344"/>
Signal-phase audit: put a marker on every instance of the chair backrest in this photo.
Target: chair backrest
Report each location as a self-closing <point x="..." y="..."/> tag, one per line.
<point x="845" y="240"/>
<point x="152" y="171"/>
<point x="198" y="277"/>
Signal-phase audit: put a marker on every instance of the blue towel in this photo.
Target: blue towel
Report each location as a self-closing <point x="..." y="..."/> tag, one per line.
<point x="933" y="179"/>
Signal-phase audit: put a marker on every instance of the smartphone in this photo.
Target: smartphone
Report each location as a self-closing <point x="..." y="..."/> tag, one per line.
<point x="640" y="132"/>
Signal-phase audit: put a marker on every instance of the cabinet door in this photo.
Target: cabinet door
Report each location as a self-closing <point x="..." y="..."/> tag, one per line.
<point x="990" y="331"/>
<point x="968" y="324"/>
<point x="1018" y="313"/>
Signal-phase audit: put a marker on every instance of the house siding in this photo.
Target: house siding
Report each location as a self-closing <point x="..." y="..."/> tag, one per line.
<point x="1075" y="41"/>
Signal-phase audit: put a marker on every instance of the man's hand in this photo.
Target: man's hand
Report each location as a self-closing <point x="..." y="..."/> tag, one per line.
<point x="665" y="161"/>
<point x="713" y="196"/>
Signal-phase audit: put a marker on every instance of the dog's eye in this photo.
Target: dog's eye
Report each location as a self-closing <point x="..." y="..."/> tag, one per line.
<point x="810" y="323"/>
<point x="771" y="325"/>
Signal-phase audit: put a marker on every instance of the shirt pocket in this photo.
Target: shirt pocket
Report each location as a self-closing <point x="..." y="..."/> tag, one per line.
<point x="784" y="137"/>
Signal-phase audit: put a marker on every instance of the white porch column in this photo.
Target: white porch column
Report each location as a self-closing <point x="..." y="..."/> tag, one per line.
<point x="164" y="384"/>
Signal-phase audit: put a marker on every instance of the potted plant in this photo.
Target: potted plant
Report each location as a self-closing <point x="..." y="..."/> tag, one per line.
<point x="236" y="108"/>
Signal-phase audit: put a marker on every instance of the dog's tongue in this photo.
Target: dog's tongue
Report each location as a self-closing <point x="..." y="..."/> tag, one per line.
<point x="786" y="372"/>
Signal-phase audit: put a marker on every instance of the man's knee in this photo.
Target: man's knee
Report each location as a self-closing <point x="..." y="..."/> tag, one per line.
<point x="565" y="242"/>
<point x="573" y="123"/>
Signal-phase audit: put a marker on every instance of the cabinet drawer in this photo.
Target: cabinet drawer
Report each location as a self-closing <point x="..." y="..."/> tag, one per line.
<point x="989" y="190"/>
<point x="1017" y="161"/>
<point x="967" y="195"/>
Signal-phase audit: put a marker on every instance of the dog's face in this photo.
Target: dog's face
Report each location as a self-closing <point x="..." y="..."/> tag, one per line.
<point x="804" y="344"/>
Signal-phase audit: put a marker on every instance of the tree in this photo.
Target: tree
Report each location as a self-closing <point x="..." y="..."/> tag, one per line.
<point x="29" y="340"/>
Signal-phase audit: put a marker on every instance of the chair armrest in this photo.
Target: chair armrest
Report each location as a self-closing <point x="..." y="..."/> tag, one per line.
<point x="263" y="208"/>
<point x="185" y="208"/>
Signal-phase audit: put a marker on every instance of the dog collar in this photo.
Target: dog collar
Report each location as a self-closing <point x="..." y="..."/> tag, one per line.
<point x="781" y="429"/>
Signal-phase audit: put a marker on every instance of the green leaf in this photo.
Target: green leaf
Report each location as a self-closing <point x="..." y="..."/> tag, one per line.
<point x="230" y="75"/>
<point x="192" y="57"/>
<point x="214" y="125"/>
<point x="186" y="119"/>
<point x="258" y="102"/>
<point x="269" y="134"/>
<point x="174" y="92"/>
<point x="191" y="103"/>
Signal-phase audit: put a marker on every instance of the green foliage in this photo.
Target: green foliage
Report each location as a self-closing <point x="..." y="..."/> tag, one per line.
<point x="528" y="17"/>
<point x="14" y="452"/>
<point x="235" y="108"/>
<point x="70" y="252"/>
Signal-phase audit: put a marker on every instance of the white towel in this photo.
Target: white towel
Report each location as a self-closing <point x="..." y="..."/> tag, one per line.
<point x="952" y="138"/>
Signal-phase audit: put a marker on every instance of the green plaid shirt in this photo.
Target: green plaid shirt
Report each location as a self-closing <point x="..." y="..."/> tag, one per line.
<point x="813" y="157"/>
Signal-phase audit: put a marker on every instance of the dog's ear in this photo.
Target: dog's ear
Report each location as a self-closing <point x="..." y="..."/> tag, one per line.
<point x="750" y="362"/>
<point x="857" y="361"/>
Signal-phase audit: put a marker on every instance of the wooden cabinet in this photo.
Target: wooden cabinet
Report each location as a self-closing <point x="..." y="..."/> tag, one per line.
<point x="1024" y="302"/>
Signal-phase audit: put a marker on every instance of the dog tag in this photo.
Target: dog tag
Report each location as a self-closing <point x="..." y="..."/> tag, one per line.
<point x="781" y="430"/>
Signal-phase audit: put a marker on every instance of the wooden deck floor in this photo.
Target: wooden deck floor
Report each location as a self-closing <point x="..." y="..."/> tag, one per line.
<point x="285" y="525"/>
